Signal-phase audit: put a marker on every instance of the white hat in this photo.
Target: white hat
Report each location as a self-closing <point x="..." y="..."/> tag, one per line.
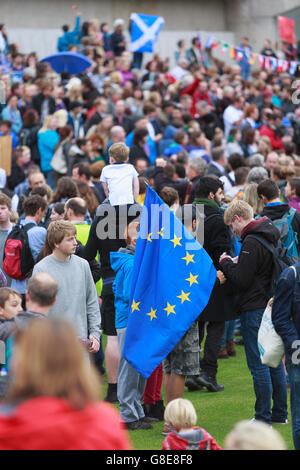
<point x="119" y="22"/>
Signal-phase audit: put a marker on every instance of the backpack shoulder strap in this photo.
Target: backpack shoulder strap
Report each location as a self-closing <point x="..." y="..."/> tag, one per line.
<point x="27" y="227"/>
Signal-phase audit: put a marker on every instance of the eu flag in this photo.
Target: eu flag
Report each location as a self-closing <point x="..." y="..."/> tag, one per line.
<point x="172" y="280"/>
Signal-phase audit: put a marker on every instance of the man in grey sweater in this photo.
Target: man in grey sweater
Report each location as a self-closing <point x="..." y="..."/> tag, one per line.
<point x="77" y="298"/>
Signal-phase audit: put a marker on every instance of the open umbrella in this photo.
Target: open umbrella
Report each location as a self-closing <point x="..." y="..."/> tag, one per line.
<point x="68" y="62"/>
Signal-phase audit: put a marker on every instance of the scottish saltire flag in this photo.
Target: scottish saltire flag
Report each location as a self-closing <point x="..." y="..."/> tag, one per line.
<point x="173" y="277"/>
<point x="144" y="32"/>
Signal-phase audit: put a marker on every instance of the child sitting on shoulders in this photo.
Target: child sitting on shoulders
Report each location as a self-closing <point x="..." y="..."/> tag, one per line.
<point x="181" y="417"/>
<point x="120" y="178"/>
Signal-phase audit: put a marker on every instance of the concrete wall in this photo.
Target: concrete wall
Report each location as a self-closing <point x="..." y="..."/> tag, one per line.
<point x="43" y="41"/>
<point x="257" y="19"/>
<point x="178" y="14"/>
<point x="35" y="24"/>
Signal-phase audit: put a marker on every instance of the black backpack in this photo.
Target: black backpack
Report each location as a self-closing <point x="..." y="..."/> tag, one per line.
<point x="281" y="260"/>
<point x="18" y="261"/>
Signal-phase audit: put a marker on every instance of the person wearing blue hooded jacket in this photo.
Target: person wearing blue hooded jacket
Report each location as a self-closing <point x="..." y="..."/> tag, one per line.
<point x="131" y="384"/>
<point x="69" y="38"/>
<point x="286" y="321"/>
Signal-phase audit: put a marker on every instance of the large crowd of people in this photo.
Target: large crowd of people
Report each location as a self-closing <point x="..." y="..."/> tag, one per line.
<point x="226" y="137"/>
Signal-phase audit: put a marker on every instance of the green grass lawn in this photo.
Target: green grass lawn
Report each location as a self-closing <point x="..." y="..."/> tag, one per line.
<point x="217" y="412"/>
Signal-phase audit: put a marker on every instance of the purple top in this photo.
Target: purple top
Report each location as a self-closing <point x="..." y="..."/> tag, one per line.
<point x="295" y="203"/>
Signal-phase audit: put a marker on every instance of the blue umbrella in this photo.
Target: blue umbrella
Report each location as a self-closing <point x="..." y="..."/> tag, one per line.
<point x="68" y="62"/>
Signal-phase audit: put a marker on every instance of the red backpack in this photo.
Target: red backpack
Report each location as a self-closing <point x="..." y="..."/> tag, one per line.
<point x="18" y="261"/>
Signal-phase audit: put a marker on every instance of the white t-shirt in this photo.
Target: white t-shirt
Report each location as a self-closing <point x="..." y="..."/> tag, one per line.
<point x="119" y="179"/>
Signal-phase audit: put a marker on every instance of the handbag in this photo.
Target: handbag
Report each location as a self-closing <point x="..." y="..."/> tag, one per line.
<point x="270" y="344"/>
<point x="59" y="162"/>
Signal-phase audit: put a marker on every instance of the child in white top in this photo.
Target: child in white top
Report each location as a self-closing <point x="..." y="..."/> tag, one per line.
<point x="120" y="179"/>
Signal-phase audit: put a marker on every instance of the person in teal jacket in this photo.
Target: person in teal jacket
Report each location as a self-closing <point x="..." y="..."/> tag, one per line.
<point x="69" y="38"/>
<point x="131" y="384"/>
<point x="11" y="113"/>
<point x="48" y="138"/>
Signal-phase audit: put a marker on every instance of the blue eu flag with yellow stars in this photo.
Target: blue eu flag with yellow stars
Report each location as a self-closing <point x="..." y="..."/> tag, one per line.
<point x="172" y="281"/>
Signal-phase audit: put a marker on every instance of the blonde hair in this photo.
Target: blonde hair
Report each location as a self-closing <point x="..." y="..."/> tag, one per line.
<point x="46" y="122"/>
<point x="119" y="152"/>
<point x="254" y="435"/>
<point x="48" y="360"/>
<point x="58" y="230"/>
<point x="14" y="217"/>
<point x="62" y="117"/>
<point x="180" y="414"/>
<point x="240" y="208"/>
<point x="251" y="197"/>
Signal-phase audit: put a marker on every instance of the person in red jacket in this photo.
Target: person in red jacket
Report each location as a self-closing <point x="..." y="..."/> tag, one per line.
<point x="269" y="130"/>
<point x="181" y="418"/>
<point x="198" y="90"/>
<point x="52" y="402"/>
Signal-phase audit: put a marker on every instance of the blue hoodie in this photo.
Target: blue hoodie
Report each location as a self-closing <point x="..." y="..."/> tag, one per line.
<point x="122" y="263"/>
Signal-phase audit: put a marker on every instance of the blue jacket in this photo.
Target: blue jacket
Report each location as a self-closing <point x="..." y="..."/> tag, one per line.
<point x="70" y="37"/>
<point x="286" y="309"/>
<point x="122" y="264"/>
<point x="46" y="144"/>
<point x="14" y="116"/>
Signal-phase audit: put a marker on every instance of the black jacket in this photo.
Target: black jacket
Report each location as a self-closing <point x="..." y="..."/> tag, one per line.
<point x="95" y="119"/>
<point x="16" y="176"/>
<point x="126" y="123"/>
<point x="107" y="235"/>
<point x="137" y="152"/>
<point x="217" y="241"/>
<point x="251" y="276"/>
<point x="37" y="102"/>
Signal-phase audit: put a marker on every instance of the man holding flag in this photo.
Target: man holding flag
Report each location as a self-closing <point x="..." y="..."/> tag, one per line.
<point x="172" y="281"/>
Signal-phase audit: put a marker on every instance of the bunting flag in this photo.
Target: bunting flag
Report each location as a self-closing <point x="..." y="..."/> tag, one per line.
<point x="252" y="59"/>
<point x="199" y="43"/>
<point x="264" y="62"/>
<point x="224" y="49"/>
<point x="211" y="43"/>
<point x="232" y="52"/>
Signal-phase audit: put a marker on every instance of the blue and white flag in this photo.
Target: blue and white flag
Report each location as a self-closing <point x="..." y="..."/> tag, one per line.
<point x="172" y="280"/>
<point x="144" y="32"/>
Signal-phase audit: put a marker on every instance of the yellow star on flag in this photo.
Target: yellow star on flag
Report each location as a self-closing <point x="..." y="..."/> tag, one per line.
<point x="192" y="279"/>
<point x="170" y="309"/>
<point x="184" y="296"/>
<point x="135" y="306"/>
<point x="149" y="237"/>
<point x="152" y="314"/>
<point x="176" y="241"/>
<point x="160" y="232"/>
<point x="189" y="258"/>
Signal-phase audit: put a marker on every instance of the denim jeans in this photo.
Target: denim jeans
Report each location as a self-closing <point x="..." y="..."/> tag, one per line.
<point x="228" y="334"/>
<point x="269" y="383"/>
<point x="294" y="380"/>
